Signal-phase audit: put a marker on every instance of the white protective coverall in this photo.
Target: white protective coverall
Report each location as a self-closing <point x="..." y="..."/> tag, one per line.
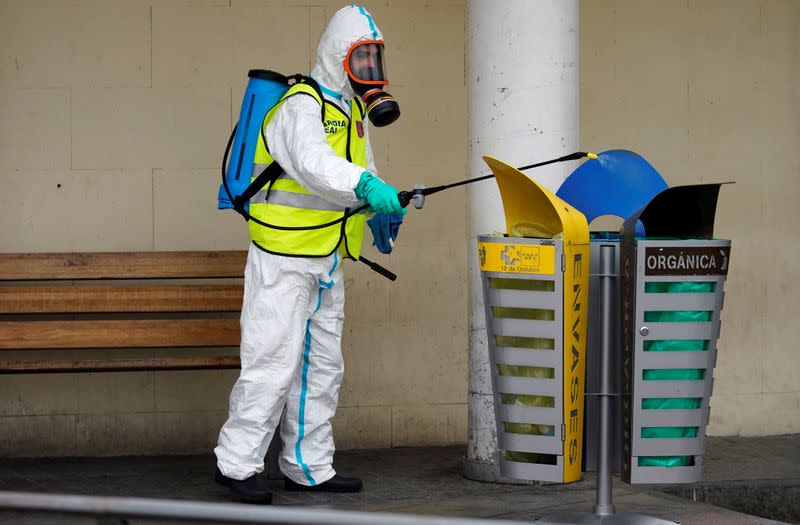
<point x="293" y="307"/>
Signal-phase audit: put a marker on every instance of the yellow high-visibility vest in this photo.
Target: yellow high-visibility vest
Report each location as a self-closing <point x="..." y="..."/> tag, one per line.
<point x="285" y="202"/>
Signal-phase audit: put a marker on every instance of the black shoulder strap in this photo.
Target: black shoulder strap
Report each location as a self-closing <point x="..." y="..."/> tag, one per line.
<point x="270" y="174"/>
<point x="360" y="105"/>
<point x="315" y="86"/>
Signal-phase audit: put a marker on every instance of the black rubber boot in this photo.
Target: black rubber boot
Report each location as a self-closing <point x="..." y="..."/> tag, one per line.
<point x="250" y="490"/>
<point x="336" y="484"/>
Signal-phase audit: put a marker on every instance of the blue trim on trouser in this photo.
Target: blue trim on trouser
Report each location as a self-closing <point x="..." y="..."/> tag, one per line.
<point x="304" y="386"/>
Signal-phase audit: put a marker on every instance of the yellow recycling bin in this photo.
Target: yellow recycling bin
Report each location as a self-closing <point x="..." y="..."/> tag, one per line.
<point x="535" y="289"/>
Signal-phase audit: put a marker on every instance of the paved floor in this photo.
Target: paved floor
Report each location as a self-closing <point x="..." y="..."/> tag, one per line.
<point x="429" y="481"/>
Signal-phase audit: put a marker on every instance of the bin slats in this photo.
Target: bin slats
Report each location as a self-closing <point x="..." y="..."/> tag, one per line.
<point x="680" y="301"/>
<point x="523" y="443"/>
<point x="539" y="415"/>
<point x="525" y="328"/>
<point x="523" y="299"/>
<point x="527" y="357"/>
<point x="520" y="276"/>
<point x="688" y="359"/>
<point x="519" y="470"/>
<point x="667" y="331"/>
<point x="529" y="386"/>
<point x="699" y="388"/>
<point x="687" y="474"/>
<point x="674" y="418"/>
<point x="669" y="446"/>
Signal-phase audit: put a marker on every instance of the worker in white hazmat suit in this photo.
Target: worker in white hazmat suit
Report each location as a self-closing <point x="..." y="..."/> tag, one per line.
<point x="293" y="306"/>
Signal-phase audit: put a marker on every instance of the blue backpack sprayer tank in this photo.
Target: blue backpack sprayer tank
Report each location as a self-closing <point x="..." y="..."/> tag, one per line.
<point x="264" y="89"/>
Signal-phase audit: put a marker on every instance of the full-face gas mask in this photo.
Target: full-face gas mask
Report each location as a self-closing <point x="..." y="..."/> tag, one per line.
<point x="364" y="64"/>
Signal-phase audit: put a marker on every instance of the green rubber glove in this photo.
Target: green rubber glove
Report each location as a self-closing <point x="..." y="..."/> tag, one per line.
<point x="381" y="197"/>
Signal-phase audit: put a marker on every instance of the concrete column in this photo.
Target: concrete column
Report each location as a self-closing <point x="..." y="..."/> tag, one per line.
<point x="522" y="78"/>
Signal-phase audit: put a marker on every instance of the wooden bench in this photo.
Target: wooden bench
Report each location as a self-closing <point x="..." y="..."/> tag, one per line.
<point x="144" y="312"/>
<point x="77" y="288"/>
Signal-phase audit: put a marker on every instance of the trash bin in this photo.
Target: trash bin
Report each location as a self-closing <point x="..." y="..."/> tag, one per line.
<point x="618" y="183"/>
<point x="535" y="296"/>
<point x="672" y="288"/>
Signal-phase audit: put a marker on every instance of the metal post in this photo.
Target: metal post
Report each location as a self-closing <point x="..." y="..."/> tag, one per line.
<point x="603" y="512"/>
<point x="603" y="505"/>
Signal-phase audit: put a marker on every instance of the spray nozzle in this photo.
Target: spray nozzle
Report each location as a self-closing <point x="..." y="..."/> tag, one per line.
<point x="417" y="196"/>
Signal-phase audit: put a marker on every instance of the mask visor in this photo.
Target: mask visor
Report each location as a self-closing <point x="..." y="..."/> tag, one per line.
<point x="365" y="63"/>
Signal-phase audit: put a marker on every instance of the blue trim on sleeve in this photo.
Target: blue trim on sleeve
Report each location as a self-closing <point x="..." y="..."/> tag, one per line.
<point x="330" y="92"/>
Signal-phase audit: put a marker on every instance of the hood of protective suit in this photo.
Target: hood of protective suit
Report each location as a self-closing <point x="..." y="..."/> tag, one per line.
<point x="349" y="25"/>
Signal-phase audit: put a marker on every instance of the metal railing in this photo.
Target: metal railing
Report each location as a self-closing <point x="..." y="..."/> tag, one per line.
<point x="105" y="507"/>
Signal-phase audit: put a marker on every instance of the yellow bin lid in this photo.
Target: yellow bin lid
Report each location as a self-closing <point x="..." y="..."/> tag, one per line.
<point x="531" y="210"/>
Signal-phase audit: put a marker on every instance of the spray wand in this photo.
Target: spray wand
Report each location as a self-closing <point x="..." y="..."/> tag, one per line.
<point x="418" y="194"/>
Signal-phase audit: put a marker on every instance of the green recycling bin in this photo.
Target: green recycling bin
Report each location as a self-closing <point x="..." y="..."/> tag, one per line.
<point x="672" y="289"/>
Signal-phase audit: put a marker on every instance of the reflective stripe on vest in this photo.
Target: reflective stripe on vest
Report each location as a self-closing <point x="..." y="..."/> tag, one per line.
<point x="294" y="200"/>
<point x="285" y="202"/>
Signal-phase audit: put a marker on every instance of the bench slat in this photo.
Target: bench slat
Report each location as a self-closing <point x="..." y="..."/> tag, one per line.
<point x="119" y="365"/>
<point x="146" y="333"/>
<point x="99" y="299"/>
<point x="121" y="265"/>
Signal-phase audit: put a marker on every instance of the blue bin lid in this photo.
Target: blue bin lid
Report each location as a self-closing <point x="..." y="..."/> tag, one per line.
<point x="619" y="182"/>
